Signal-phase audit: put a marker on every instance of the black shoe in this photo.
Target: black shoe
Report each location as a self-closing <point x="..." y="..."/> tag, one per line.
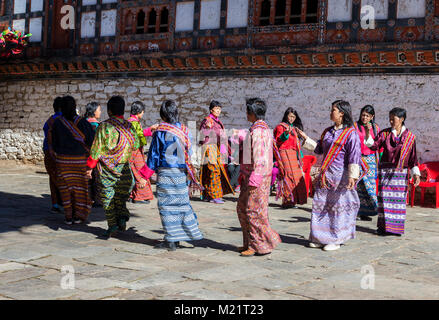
<point x="55" y="210"/>
<point x="68" y="222"/>
<point x="170" y="246"/>
<point x="122" y="224"/>
<point x="111" y="231"/>
<point x="77" y="220"/>
<point x="365" y="218"/>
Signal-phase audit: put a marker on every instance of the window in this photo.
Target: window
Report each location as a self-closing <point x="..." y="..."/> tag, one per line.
<point x="36" y="5"/>
<point x="35" y="27"/>
<point x="88" y="24"/>
<point x="339" y="10"/>
<point x="301" y="11"/>
<point x="152" y="20"/>
<point x="128" y="25"/>
<point x="311" y="11"/>
<point x="304" y="11"/>
<point x="210" y="14"/>
<point x="108" y="22"/>
<point x="184" y="19"/>
<point x="279" y="17"/>
<point x="264" y="18"/>
<point x="164" y="18"/>
<point x="411" y="9"/>
<point x="19" y="6"/>
<point x="237" y="13"/>
<point x="140" y="28"/>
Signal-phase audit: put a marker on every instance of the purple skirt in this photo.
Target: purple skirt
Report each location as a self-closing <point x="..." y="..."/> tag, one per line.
<point x="334" y="210"/>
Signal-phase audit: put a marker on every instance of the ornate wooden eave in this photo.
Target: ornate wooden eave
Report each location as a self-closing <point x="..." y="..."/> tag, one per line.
<point x="353" y="59"/>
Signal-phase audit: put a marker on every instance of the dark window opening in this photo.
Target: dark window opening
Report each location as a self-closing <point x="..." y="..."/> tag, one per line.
<point x="280" y="12"/>
<point x="128" y="23"/>
<point x="152" y="21"/>
<point x="311" y="11"/>
<point x="164" y="17"/>
<point x="264" y="18"/>
<point x="140" y="22"/>
<point x="296" y="12"/>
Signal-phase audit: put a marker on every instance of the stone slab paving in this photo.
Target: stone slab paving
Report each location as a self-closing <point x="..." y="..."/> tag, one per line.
<point x="36" y="249"/>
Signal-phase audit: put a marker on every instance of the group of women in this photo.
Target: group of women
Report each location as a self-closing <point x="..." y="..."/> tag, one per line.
<point x="358" y="160"/>
<point x="354" y="155"/>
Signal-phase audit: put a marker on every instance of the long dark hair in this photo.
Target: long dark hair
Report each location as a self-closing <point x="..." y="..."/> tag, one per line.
<point x="90" y="109"/>
<point x="169" y="111"/>
<point x="345" y="107"/>
<point x="370" y="110"/>
<point x="297" y="122"/>
<point x="68" y="108"/>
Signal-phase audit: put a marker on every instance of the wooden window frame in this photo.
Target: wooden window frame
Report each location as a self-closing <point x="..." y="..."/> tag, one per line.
<point x="288" y="16"/>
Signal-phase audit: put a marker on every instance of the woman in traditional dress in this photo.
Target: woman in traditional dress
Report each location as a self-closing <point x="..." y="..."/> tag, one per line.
<point x="93" y="112"/>
<point x="257" y="164"/>
<point x="142" y="192"/>
<point x="49" y="156"/>
<point x="335" y="202"/>
<point x="213" y="175"/>
<point x="72" y="139"/>
<point x="366" y="188"/>
<point x="399" y="155"/>
<point x="169" y="156"/>
<point x="291" y="183"/>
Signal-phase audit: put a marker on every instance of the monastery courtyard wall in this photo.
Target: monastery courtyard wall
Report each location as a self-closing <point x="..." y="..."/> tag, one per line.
<point x="26" y="105"/>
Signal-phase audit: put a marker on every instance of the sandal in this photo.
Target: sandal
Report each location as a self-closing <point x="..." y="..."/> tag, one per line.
<point x="248" y="253"/>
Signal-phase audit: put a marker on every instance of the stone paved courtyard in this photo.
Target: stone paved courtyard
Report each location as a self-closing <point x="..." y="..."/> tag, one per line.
<point x="35" y="246"/>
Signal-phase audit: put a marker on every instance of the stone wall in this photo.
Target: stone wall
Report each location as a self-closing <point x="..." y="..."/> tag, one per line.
<point x="25" y="105"/>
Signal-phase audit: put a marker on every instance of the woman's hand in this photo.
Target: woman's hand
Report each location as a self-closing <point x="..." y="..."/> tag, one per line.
<point x="142" y="183"/>
<point x="88" y="173"/>
<point x="154" y="127"/>
<point x="301" y="133"/>
<point x="351" y="184"/>
<point x="251" y="189"/>
<point x="416" y="180"/>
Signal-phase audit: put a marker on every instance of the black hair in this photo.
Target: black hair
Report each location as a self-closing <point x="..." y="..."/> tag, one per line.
<point x="68" y="108"/>
<point x="400" y="113"/>
<point x="214" y="104"/>
<point x="137" y="107"/>
<point x="116" y="105"/>
<point x="257" y="107"/>
<point x="57" y="104"/>
<point x="297" y="122"/>
<point x="90" y="109"/>
<point x="345" y="107"/>
<point x="370" y="110"/>
<point x="169" y="111"/>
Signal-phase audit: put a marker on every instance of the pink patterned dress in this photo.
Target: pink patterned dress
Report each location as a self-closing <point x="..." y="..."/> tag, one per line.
<point x="252" y="205"/>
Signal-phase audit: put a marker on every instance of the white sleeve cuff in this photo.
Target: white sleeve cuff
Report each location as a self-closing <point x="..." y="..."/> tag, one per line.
<point x="415" y="171"/>
<point x="309" y="144"/>
<point x="369" y="142"/>
<point x="354" y="171"/>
